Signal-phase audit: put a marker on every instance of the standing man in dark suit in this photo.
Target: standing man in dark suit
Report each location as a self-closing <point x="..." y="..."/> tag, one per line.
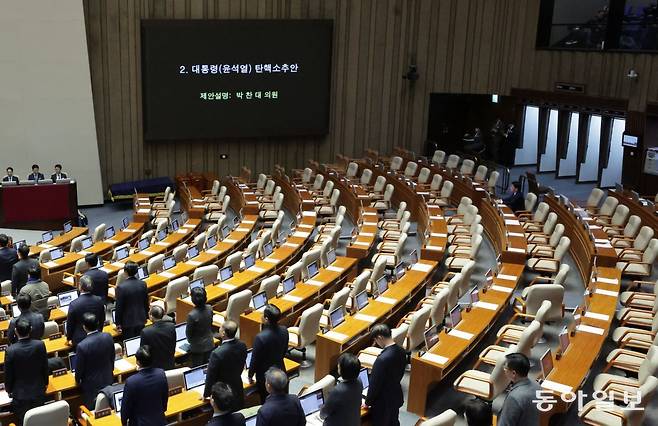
<point x="146" y="393"/>
<point x="8" y="257"/>
<point x="38" y="291"/>
<point x="385" y="392"/>
<point x="132" y="303"/>
<point x="199" y="328"/>
<point x="226" y="364"/>
<point x="270" y="346"/>
<point x="10" y="176"/>
<point x="94" y="361"/>
<point x="280" y="408"/>
<point x="26" y="371"/>
<point x="222" y="402"/>
<point x="515" y="200"/>
<point x="20" y="269"/>
<point x="343" y="405"/>
<point x="99" y="278"/>
<point x="160" y="337"/>
<point x="85" y="303"/>
<point x="58" y="173"/>
<point x="35" y="319"/>
<point x="35" y="175"/>
<point x="519" y="407"/>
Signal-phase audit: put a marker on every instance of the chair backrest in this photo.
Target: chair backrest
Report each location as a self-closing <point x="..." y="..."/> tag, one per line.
<point x="269" y="187"/>
<point x="310" y="257"/>
<point x="388" y="193"/>
<point x="237" y="305"/>
<point x="529" y="337"/>
<point x="99" y="233"/>
<point x="447" y="418"/>
<point x="396" y="163"/>
<point x="176" y="377"/>
<point x="326" y="384"/>
<point x="309" y="324"/>
<point x="417" y="326"/>
<point x="339" y="299"/>
<point x="207" y="273"/>
<point x="378" y="270"/>
<point x="464" y="203"/>
<point x="435" y="184"/>
<point x="558" y="231"/>
<point x="326" y="192"/>
<point x="476" y="242"/>
<point x="180" y="252"/>
<point x="175" y="289"/>
<point x="278" y="202"/>
<point x="562" y="247"/>
<point x="541" y="213"/>
<point x="466" y="273"/>
<point x="199" y="241"/>
<point x="148" y="235"/>
<point x="538" y="294"/>
<point x="453" y="161"/>
<point x="498" y="378"/>
<point x="262" y="179"/>
<point x="595" y="197"/>
<point x="467" y="167"/>
<point x="446" y="189"/>
<point x="493" y="179"/>
<point x="424" y="175"/>
<point x="609" y="206"/>
<point x="549" y="224"/>
<point x="76" y="243"/>
<point x="160" y="226"/>
<point x="643" y="238"/>
<point x="380" y="182"/>
<point x="102" y="402"/>
<point x="480" y="173"/>
<point x="544" y="311"/>
<point x="213" y="190"/>
<point x="352" y="170"/>
<point x="81" y="266"/>
<point x="410" y="170"/>
<point x="121" y="276"/>
<point x="454" y="286"/>
<point x="334" y="197"/>
<point x="632" y="226"/>
<point x="54" y="414"/>
<point x="621" y="213"/>
<point x="561" y="275"/>
<point x="401" y="209"/>
<point x="317" y="182"/>
<point x="366" y="176"/>
<point x="649" y="255"/>
<point x="438" y="309"/>
<point x="5" y="290"/>
<point x="400" y="246"/>
<point x="234" y="260"/>
<point x="359" y="283"/>
<point x="155" y="263"/>
<point x="295" y="270"/>
<point x="50" y="328"/>
<point x="438" y="156"/>
<point x="307" y="174"/>
<point x="269" y="285"/>
<point x="530" y="201"/>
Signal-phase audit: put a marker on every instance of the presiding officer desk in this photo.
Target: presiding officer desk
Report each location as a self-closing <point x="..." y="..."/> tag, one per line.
<point x="19" y="208"/>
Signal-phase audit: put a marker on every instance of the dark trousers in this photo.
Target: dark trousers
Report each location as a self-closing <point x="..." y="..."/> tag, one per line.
<point x="20" y="407"/>
<point x="200" y="358"/>
<point x="385" y="415"/>
<point x="128" y="332"/>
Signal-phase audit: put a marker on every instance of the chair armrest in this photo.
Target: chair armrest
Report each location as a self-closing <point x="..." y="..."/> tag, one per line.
<point x="520" y="303"/>
<point x="540" y="278"/>
<point x="640" y="282"/>
<point x="466" y="375"/>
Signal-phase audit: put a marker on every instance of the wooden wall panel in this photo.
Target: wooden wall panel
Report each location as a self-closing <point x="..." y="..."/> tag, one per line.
<point x="460" y="46"/>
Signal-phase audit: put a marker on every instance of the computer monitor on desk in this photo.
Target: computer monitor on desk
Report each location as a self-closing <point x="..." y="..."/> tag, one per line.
<point x="46" y="236"/>
<point x="455" y="316"/>
<point x="68" y="226"/>
<point x="336" y="317"/>
<point x="361" y="300"/>
<point x="143" y="244"/>
<point x="312" y="402"/>
<point x="431" y="336"/>
<point x="546" y="363"/>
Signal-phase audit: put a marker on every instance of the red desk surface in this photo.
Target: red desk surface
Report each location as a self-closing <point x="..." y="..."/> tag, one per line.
<point x="38" y="203"/>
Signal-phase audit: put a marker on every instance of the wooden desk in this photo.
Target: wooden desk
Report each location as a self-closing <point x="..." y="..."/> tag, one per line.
<point x="352" y="335"/>
<point x="63" y="240"/>
<point x="433" y="229"/>
<point x="57" y="203"/>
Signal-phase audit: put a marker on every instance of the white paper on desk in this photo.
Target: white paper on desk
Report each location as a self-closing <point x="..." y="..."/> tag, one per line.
<point x="181" y="231"/>
<point x="590" y="329"/>
<point x="422" y="267"/>
<point x="335" y="269"/>
<point x="193" y="262"/>
<point x="603" y="245"/>
<point x="305" y="226"/>
<point x="366" y="234"/>
<point x="361" y="243"/>
<point x="300" y="234"/>
<point x="291" y="245"/>
<point x="243" y="229"/>
<point x="515" y="234"/>
<point x="438" y="234"/>
<point x="431" y="247"/>
<point x="226" y="286"/>
<point x="189" y="225"/>
<point x="594" y="227"/>
<point x="162" y="244"/>
<point x="123" y="365"/>
<point x="436" y="217"/>
<point x="5" y="399"/>
<point x="601" y="240"/>
<point x="386" y="300"/>
<point x="46" y="245"/>
<point x="516" y="249"/>
<point x="594" y="315"/>
<point x="606" y="292"/>
<point x="83" y="252"/>
<point x="307" y="213"/>
<point x="367" y="318"/>
<point x="607" y="280"/>
<point x="501" y="288"/>
<point x="213" y="252"/>
<point x="147" y="253"/>
<point x="507" y="277"/>
<point x="118" y="265"/>
<point x="271" y="260"/>
<point x="315" y="283"/>
<point x="486" y="305"/>
<point x="229" y="240"/>
<point x="335" y="336"/>
<point x="290" y="298"/>
<point x="508" y="215"/>
<point x="461" y="334"/>
<point x="128" y="230"/>
<point x="51" y="264"/>
<point x="437" y="359"/>
<point x="557" y="387"/>
<point x="167" y="274"/>
<point x="111" y="241"/>
<point x="105" y="270"/>
<point x="257" y="269"/>
<point x="248" y="222"/>
<point x="143" y="211"/>
<point x="512" y="222"/>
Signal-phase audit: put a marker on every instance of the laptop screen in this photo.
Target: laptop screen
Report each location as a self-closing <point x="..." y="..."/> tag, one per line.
<point x="195" y="377"/>
<point x="197" y="284"/>
<point x="180" y="332"/>
<point x="86" y="243"/>
<point x="546" y="363"/>
<point x="564" y="340"/>
<point x="259" y="300"/>
<point x="18" y="244"/>
<point x="431" y="337"/>
<point x="267" y="249"/>
<point x="455" y="316"/>
<point x="413" y="257"/>
<point x="143" y="244"/>
<point x="114" y="316"/>
<point x="192" y="252"/>
<point x="362" y="300"/>
<point x="336" y="317"/>
<point x="131" y="345"/>
<point x="15" y="312"/>
<point x="122" y="253"/>
<point x="168" y="263"/>
<point x="331" y="257"/>
<point x="288" y="285"/>
<point x="225" y="231"/>
<point x="65" y="298"/>
<point x="225" y="273"/>
<point x="382" y="284"/>
<point x="57" y="253"/>
<point x="475" y="296"/>
<point x="211" y="242"/>
<point x="248" y="360"/>
<point x="162" y="234"/>
<point x="118" y="397"/>
<point x="109" y="232"/>
<point x="249" y="261"/>
<point x="46" y="236"/>
<point x="365" y="379"/>
<point x="72" y="361"/>
<point x="142" y="273"/>
<point x="312" y="402"/>
<point x="125" y="222"/>
<point x="68" y="226"/>
<point x="400" y="269"/>
<point x="312" y="269"/>
<point x="174" y="225"/>
<point x="251" y="421"/>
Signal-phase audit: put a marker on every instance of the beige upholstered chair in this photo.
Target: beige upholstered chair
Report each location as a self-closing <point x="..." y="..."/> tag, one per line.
<point x="642" y="267"/>
<point x="550" y="264"/>
<point x="155" y="264"/>
<point x="559" y="278"/>
<point x="384" y="203"/>
<point x="438" y="157"/>
<point x="326" y="384"/>
<point x="175" y="289"/>
<point x="99" y="233"/>
<point x="640" y="299"/>
<point x="533" y="297"/>
<point x="76" y="243"/>
<point x="366" y="177"/>
<point x="594" y="199"/>
<point x="234" y="260"/>
<point x="207" y="273"/>
<point x="393" y="255"/>
<point x="457" y="261"/>
<point x="617" y="220"/>
<point x="480" y="173"/>
<point x="630" y="230"/>
<point x="270" y="285"/>
<point x="53" y="414"/>
<point x="396" y="163"/>
<point x="535" y="220"/>
<point x="493" y="180"/>
<point x="305" y="332"/>
<point x="444" y="196"/>
<point x="467" y="167"/>
<point x="410" y="170"/>
<point x="180" y="253"/>
<point x="447" y="418"/>
<point x="352" y="170"/>
<point x="339" y="299"/>
<point x="294" y="270"/>
<point x="238" y="303"/>
<point x="541" y="245"/>
<point x="484" y="385"/>
<point x="638" y="338"/>
<point x="607" y="209"/>
<point x="452" y="162"/>
<point x="638" y="244"/>
<point x="423" y="176"/>
<point x="529" y="338"/>
<point x="511" y="333"/>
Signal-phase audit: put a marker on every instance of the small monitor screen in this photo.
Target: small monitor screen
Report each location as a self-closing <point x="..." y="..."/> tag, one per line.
<point x="131" y="345"/>
<point x="251" y="421"/>
<point x="312" y="269"/>
<point x="68" y="226"/>
<point x="225" y="231"/>
<point x="65" y="298"/>
<point x="363" y="376"/>
<point x="18" y="244"/>
<point x="57" y="253"/>
<point x="211" y="242"/>
<point x="564" y="340"/>
<point x="125" y="222"/>
<point x="168" y="263"/>
<point x="312" y="402"/>
<point x="249" y="261"/>
<point x="162" y="234"/>
<point x="331" y="257"/>
<point x="192" y="252"/>
<point x="180" y="332"/>
<point x="248" y="360"/>
<point x="630" y="141"/>
<point x="143" y="244"/>
<point x="488" y="278"/>
<point x="99" y="264"/>
<point x="431" y="337"/>
<point x="382" y="284"/>
<point x="118" y="398"/>
<point x="361" y="300"/>
<point x="455" y="316"/>
<point x="546" y="363"/>
<point x="236" y="221"/>
<point x="197" y="284"/>
<point x="72" y="361"/>
<point x="475" y="296"/>
<point x="174" y="225"/>
<point x="114" y="316"/>
<point x="46" y="236"/>
<point x="413" y="257"/>
<point x="15" y="312"/>
<point x="86" y="243"/>
<point x="225" y="273"/>
<point x="195" y="377"/>
<point x="259" y="300"/>
<point x="142" y="273"/>
<point x="109" y="232"/>
<point x="122" y="253"/>
<point x="267" y="249"/>
<point x="288" y="285"/>
<point x="400" y="269"/>
<point x="336" y="317"/>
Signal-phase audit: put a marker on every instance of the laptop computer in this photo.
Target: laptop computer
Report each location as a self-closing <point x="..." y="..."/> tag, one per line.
<point x="365" y="380"/>
<point x="18" y="244"/>
<point x="109" y="232"/>
<point x="382" y="285"/>
<point x="72" y="361"/>
<point x="455" y="316"/>
<point x="249" y="261"/>
<point x="195" y="379"/>
<point x="168" y="263"/>
<point x="46" y="237"/>
<point x="474" y="295"/>
<point x="162" y="234"/>
<point x="312" y="270"/>
<point x="312" y="403"/>
<point x="400" y="269"/>
<point x="143" y="244"/>
<point x="192" y="252"/>
<point x="413" y="258"/>
<point x="331" y="257"/>
<point x="56" y="253"/>
<point x="122" y="253"/>
<point x="211" y="242"/>
<point x="114" y="316"/>
<point x="68" y="226"/>
<point x="431" y="336"/>
<point x="65" y="298"/>
<point x="181" y="338"/>
<point x="225" y="273"/>
<point x="117" y="398"/>
<point x="124" y="223"/>
<point x="175" y="225"/>
<point x="225" y="231"/>
<point x="131" y="345"/>
<point x="546" y="363"/>
<point x="142" y="273"/>
<point x="564" y="340"/>
<point x="259" y="300"/>
<point x="86" y="243"/>
<point x="361" y="300"/>
<point x="15" y="312"/>
<point x="251" y="420"/>
<point x="267" y="250"/>
<point x="198" y="283"/>
<point x="336" y="317"/>
<point x="288" y="285"/>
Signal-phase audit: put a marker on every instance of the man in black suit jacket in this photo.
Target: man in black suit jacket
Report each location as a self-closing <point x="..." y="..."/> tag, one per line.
<point x="280" y="408"/>
<point x="85" y="303"/>
<point x="94" y="361"/>
<point x="35" y="319"/>
<point x="385" y="392"/>
<point x="98" y="277"/>
<point x="20" y="269"/>
<point x="132" y="303"/>
<point x="515" y="201"/>
<point x="146" y="393"/>
<point x="226" y="364"/>
<point x="198" y="329"/>
<point x="160" y="337"/>
<point x="8" y="257"/>
<point x="343" y="405"/>
<point x="26" y="371"/>
<point x="222" y="402"/>
<point x="10" y="176"/>
<point x="270" y="346"/>
<point x="35" y="175"/>
<point x="58" y="173"/>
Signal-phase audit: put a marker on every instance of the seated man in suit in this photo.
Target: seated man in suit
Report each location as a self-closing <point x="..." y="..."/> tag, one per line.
<point x="146" y="393"/>
<point x="21" y="268"/>
<point x="99" y="278"/>
<point x="26" y="371"/>
<point x="385" y="392"/>
<point x="85" y="303"/>
<point x="35" y="319"/>
<point x="35" y="175"/>
<point x="8" y="258"/>
<point x="38" y="291"/>
<point x="160" y="337"/>
<point x="226" y="364"/>
<point x="58" y="173"/>
<point x="515" y="200"/>
<point x="280" y="408"/>
<point x="222" y="403"/>
<point x="132" y="303"/>
<point x="343" y="405"/>
<point x="9" y="177"/>
<point x="94" y="361"/>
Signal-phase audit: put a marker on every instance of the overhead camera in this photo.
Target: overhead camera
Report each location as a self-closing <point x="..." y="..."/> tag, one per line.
<point x="411" y="74"/>
<point x="632" y="74"/>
